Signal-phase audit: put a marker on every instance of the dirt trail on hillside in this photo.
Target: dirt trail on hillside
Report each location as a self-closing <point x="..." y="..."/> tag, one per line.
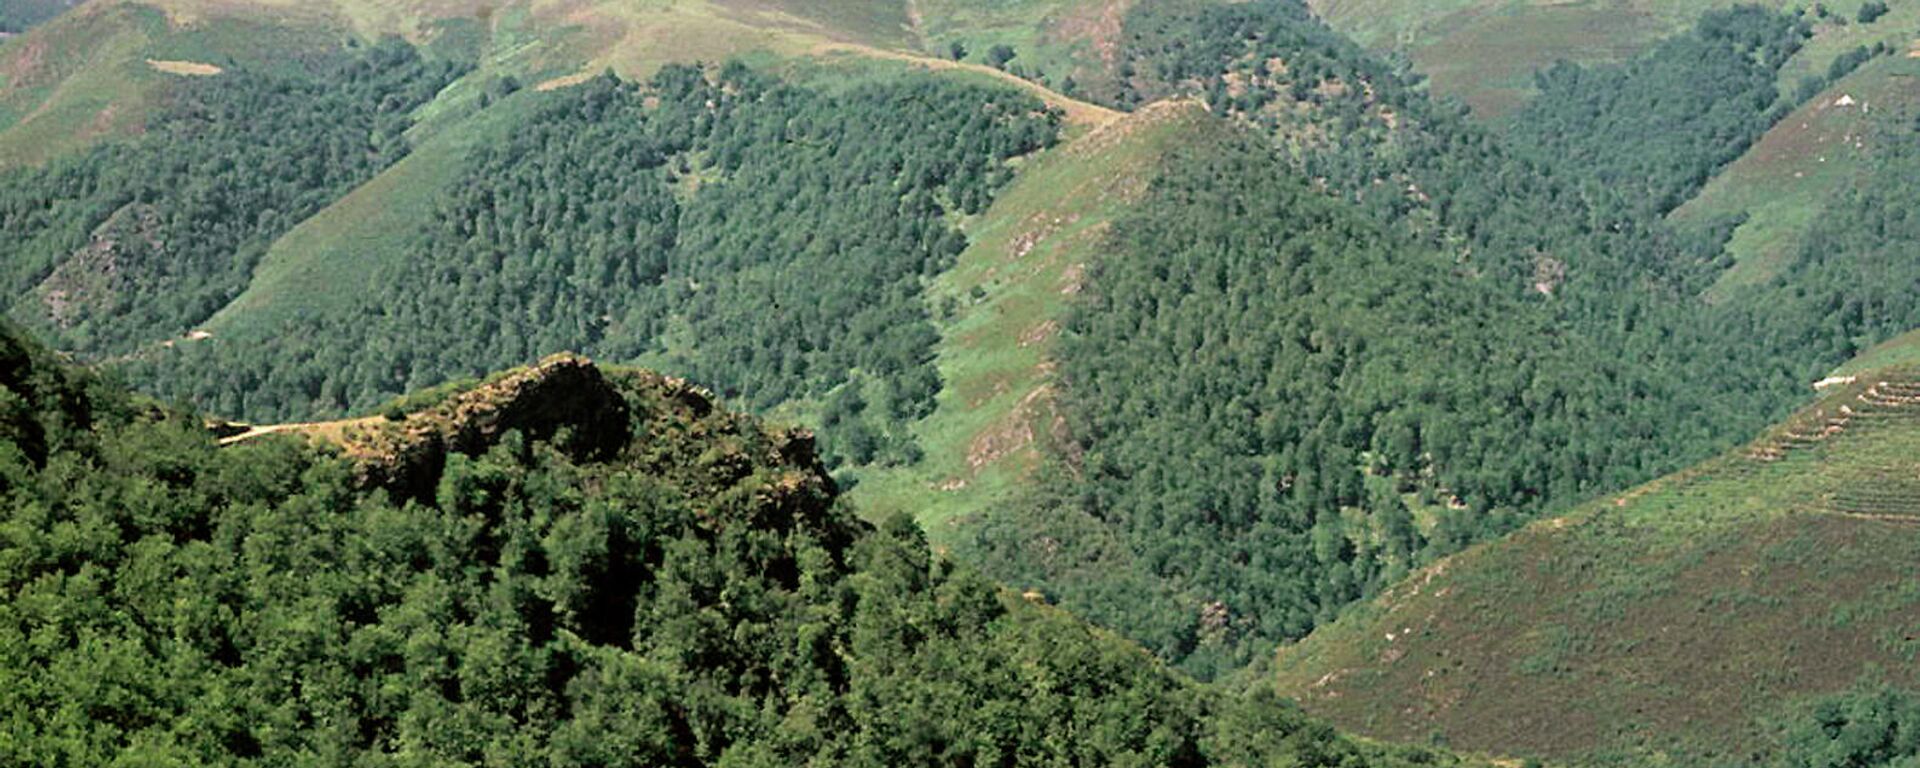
<point x="184" y="68"/>
<point x="1078" y="112"/>
<point x="332" y="431"/>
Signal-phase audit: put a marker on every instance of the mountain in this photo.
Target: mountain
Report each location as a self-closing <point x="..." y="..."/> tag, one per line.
<point x="300" y="240"/>
<point x="100" y="70"/>
<point x="561" y="564"/>
<point x="1202" y="322"/>
<point x="1486" y="52"/>
<point x="1686" y="619"/>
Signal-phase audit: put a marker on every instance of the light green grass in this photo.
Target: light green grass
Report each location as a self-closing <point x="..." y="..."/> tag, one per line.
<point x="1665" y="621"/>
<point x="1901" y="350"/>
<point x="74" y="81"/>
<point x="1486" y="51"/>
<point x="1787" y="178"/>
<point x="329" y="259"/>
<point x="996" y="413"/>
<point x="1056" y="39"/>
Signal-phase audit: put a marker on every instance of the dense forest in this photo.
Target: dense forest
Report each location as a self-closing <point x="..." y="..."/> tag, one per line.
<point x="1370" y="332"/>
<point x="693" y="597"/>
<point x="138" y="240"/>
<point x="1654" y="130"/>
<point x="765" y="238"/>
<point x="1302" y="371"/>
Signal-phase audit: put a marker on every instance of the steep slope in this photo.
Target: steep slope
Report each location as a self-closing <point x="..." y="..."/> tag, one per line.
<point x="1353" y="333"/>
<point x="1779" y="187"/>
<point x="766" y="237"/>
<point x="1487" y="51"/>
<point x="1681" y="618"/>
<point x="605" y="570"/>
<point x="996" y="424"/>
<point x="140" y="238"/>
<point x="99" y="71"/>
<point x="89" y="74"/>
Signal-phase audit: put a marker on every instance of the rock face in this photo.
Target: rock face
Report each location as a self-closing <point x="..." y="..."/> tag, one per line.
<point x="564" y="392"/>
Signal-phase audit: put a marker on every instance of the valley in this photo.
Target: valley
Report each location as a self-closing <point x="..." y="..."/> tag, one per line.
<point x="950" y="382"/>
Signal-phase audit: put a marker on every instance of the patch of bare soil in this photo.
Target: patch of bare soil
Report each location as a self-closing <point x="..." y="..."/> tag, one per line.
<point x="184" y="68"/>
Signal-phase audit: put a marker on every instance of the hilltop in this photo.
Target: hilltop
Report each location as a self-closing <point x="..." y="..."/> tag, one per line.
<point x="1688" y="618"/>
<point x="598" y="568"/>
<point x="88" y="75"/>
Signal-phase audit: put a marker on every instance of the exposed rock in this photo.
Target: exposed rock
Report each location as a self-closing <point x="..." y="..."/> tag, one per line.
<point x="562" y="392"/>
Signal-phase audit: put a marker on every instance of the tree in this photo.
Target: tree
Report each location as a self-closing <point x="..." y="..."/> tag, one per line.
<point x="999" y="55"/>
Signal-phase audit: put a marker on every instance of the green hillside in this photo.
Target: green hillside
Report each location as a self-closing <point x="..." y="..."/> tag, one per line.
<point x="1681" y="621"/>
<point x="1778" y="189"/>
<point x="996" y="424"/>
<point x="1197" y="321"/>
<point x="1487" y="51"/>
<point x="558" y="566"/>
<point x="96" y="72"/>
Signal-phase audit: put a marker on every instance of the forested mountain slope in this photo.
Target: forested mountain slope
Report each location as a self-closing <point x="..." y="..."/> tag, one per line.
<point x="1486" y="52"/>
<point x="1697" y="619"/>
<point x="1208" y="372"/>
<point x="766" y="238"/>
<point x="563" y="566"/>
<point x="100" y="70"/>
<point x="139" y="239"/>
<point x="1370" y="331"/>
<point x="1799" y="172"/>
<point x="996" y="426"/>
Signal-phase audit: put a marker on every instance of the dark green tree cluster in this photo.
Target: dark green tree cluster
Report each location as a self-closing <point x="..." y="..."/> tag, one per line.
<point x="1655" y="129"/>
<point x="1853" y="283"/>
<point x="1268" y="385"/>
<point x="1298" y="374"/>
<point x="696" y="599"/>
<point x="768" y="239"/>
<point x="18" y="16"/>
<point x="1870" y="726"/>
<point x="138" y="240"/>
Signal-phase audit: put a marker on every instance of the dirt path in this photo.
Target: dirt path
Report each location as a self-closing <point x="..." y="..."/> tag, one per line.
<point x="184" y="68"/>
<point x="1078" y="112"/>
<point x="332" y="431"/>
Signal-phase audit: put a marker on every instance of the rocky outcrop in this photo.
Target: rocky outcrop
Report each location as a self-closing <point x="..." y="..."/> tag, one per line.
<point x="564" y="399"/>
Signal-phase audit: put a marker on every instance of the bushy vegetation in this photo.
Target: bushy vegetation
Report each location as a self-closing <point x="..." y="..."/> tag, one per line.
<point x="1847" y="289"/>
<point x="698" y="599"/>
<point x="1872" y="726"/>
<point x="1287" y="392"/>
<point x="20" y="15"/>
<point x="138" y="240"/>
<point x="1655" y="129"/>
<point x="768" y="239"/>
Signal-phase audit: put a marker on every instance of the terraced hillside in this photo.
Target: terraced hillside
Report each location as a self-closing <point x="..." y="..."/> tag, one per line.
<point x="1678" y="619"/>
